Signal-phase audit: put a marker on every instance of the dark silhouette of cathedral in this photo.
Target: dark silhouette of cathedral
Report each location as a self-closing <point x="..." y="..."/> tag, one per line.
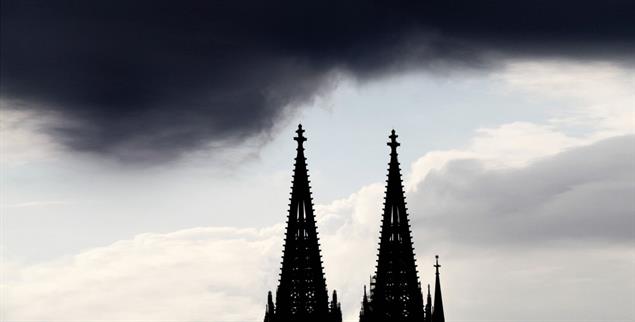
<point x="301" y="295"/>
<point x="395" y="291"/>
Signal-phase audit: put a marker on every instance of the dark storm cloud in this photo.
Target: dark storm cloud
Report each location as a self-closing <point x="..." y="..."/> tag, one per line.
<point x="152" y="79"/>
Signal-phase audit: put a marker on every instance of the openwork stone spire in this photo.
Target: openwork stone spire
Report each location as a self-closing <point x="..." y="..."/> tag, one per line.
<point x="302" y="295"/>
<point x="395" y="290"/>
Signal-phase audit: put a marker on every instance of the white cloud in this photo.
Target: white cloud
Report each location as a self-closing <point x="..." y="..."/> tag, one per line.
<point x="600" y="94"/>
<point x="509" y="145"/>
<point x="219" y="274"/>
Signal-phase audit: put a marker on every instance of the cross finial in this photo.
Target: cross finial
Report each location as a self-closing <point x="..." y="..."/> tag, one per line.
<point x="393" y="141"/>
<point x="437" y="264"/>
<point x="300" y="138"/>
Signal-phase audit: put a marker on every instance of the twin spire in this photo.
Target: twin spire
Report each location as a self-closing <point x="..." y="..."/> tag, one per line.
<point x="395" y="291"/>
<point x="302" y="295"/>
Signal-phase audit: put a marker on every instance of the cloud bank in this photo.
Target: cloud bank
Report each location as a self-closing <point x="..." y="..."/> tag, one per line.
<point x="152" y="277"/>
<point x="151" y="80"/>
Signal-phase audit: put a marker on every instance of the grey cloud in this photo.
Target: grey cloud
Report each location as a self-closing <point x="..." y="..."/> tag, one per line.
<point x="584" y="194"/>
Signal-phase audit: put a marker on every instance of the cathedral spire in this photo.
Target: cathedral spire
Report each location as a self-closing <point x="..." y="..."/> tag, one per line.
<point x="437" y="313"/>
<point x="396" y="294"/>
<point x="302" y="294"/>
<point x="364" y="313"/>
<point x="336" y="309"/>
<point x="269" y="312"/>
<point x="428" y="308"/>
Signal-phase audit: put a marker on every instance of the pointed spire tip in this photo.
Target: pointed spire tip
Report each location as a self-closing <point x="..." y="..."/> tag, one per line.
<point x="393" y="141"/>
<point x="300" y="138"/>
<point x="437" y="263"/>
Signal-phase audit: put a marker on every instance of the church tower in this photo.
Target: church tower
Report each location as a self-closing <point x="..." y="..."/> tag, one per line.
<point x="302" y="295"/>
<point x="395" y="292"/>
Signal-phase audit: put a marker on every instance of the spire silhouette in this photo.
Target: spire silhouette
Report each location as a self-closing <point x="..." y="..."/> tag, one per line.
<point x="336" y="309"/>
<point x="437" y="313"/>
<point x="364" y="313"/>
<point x="428" y="308"/>
<point x="269" y="311"/>
<point x="302" y="295"/>
<point x="395" y="294"/>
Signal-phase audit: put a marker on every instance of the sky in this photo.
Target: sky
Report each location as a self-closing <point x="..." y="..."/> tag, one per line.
<point x="146" y="154"/>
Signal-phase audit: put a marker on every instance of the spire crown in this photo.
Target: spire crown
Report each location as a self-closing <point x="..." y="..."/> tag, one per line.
<point x="437" y="266"/>
<point x="437" y="313"/>
<point x="300" y="138"/>
<point x="393" y="142"/>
